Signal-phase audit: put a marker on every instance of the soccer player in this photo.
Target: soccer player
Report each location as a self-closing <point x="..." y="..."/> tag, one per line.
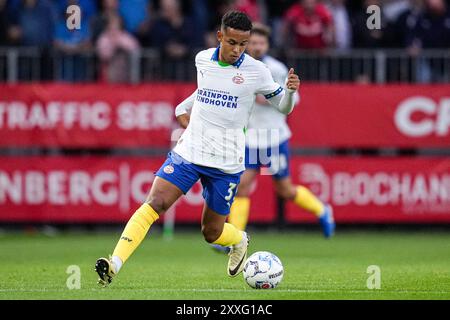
<point x="212" y="148"/>
<point x="264" y="119"/>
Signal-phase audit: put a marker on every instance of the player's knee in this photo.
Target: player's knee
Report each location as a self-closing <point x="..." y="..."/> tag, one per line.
<point x="211" y="233"/>
<point x="286" y="193"/>
<point x="157" y="203"/>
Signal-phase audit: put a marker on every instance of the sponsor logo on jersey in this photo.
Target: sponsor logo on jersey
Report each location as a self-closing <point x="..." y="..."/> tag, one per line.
<point x="217" y="98"/>
<point x="238" y="79"/>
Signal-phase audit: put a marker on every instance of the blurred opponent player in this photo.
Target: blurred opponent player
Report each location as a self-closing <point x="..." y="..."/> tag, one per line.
<point x="212" y="148"/>
<point x="264" y="119"/>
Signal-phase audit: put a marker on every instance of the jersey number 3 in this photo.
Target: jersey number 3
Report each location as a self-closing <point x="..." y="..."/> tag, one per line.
<point x="232" y="186"/>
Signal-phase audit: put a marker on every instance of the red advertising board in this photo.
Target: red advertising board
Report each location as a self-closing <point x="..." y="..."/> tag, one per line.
<point x="93" y="189"/>
<point x="373" y="190"/>
<point x="89" y="115"/>
<point x="95" y="115"/>
<point x="372" y="116"/>
<point x="105" y="189"/>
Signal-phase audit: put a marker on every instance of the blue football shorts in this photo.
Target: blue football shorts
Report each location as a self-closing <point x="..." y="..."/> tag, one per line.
<point x="275" y="158"/>
<point x="219" y="188"/>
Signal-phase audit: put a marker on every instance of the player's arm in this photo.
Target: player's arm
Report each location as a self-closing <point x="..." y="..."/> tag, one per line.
<point x="264" y="102"/>
<point x="182" y="110"/>
<point x="280" y="75"/>
<point x="284" y="99"/>
<point x="291" y="95"/>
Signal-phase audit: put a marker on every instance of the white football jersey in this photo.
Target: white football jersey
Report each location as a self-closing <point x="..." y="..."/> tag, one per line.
<point x="222" y="104"/>
<point x="265" y="119"/>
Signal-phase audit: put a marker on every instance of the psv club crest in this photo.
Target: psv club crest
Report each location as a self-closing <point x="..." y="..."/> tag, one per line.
<point x="238" y="79"/>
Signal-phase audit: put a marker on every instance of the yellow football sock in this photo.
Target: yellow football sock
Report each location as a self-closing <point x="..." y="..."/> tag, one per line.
<point x="135" y="231"/>
<point x="230" y="235"/>
<point x="239" y="212"/>
<point x="308" y="201"/>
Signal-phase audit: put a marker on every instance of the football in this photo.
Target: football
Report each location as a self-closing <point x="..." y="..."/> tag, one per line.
<point x="263" y="270"/>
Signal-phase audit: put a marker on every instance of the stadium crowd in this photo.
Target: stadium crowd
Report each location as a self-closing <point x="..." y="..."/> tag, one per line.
<point x="117" y="28"/>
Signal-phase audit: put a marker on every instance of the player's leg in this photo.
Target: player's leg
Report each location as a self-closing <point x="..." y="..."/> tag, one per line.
<point x="300" y="195"/>
<point x="213" y="225"/>
<point x="306" y="200"/>
<point x="160" y="198"/>
<point x="216" y="231"/>
<point x="219" y="190"/>
<point x="173" y="179"/>
<point x="240" y="209"/>
<point x="162" y="195"/>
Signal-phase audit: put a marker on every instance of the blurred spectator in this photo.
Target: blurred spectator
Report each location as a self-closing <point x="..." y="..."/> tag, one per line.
<point x="72" y="46"/>
<point x="404" y="26"/>
<point x="393" y="8"/>
<point x="311" y="24"/>
<point x="200" y="15"/>
<point x="342" y="26"/>
<point x="134" y="13"/>
<point x="277" y="8"/>
<point x="115" y="48"/>
<point x="34" y="23"/>
<point x="109" y="8"/>
<point x="4" y="24"/>
<point x="433" y="26"/>
<point x="275" y="11"/>
<point x="255" y="9"/>
<point x="218" y="9"/>
<point x="432" y="31"/>
<point x="172" y="33"/>
<point x="363" y="37"/>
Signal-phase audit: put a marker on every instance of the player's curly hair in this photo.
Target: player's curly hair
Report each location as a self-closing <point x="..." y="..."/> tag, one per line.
<point x="236" y="20"/>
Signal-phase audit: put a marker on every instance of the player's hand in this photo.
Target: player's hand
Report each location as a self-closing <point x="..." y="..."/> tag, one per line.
<point x="292" y="82"/>
<point x="183" y="120"/>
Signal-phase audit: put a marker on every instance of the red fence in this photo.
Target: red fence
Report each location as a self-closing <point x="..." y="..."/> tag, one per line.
<point x="105" y="189"/>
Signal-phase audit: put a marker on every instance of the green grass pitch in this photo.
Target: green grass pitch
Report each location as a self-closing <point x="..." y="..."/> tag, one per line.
<point x="414" y="265"/>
